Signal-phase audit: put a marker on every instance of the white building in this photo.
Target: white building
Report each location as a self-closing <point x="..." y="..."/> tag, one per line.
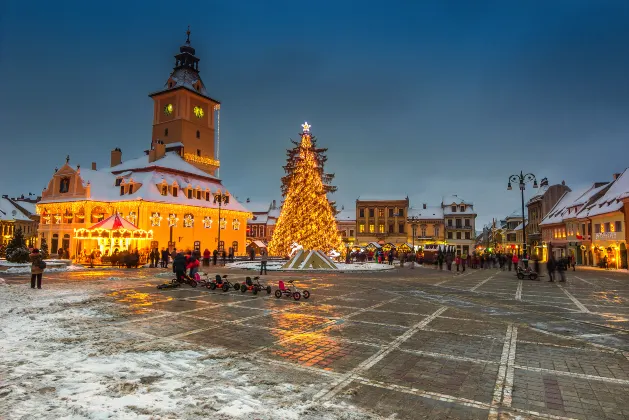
<point x="460" y="223"/>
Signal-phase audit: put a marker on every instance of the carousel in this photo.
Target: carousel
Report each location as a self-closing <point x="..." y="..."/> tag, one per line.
<point x="112" y="235"/>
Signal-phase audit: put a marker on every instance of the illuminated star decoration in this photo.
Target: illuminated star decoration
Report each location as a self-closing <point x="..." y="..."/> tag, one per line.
<point x="306" y="127"/>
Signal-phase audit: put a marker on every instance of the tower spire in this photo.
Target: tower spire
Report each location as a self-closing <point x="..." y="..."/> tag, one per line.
<point x="188" y="35"/>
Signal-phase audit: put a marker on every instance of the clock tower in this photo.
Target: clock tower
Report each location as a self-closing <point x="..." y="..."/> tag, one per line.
<point x="183" y="112"/>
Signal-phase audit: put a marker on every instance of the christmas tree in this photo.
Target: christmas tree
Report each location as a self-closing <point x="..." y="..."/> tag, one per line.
<point x="307" y="217"/>
<point x="43" y="249"/>
<point x="17" y="251"/>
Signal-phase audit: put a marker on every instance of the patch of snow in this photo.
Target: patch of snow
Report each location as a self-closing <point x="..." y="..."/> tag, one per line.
<point x="67" y="360"/>
<point x="50" y="269"/>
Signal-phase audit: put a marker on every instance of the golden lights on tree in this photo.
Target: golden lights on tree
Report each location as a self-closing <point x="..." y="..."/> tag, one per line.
<point x="307" y="217"/>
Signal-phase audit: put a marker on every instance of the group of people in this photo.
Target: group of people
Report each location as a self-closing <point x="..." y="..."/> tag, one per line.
<point x="164" y="257"/>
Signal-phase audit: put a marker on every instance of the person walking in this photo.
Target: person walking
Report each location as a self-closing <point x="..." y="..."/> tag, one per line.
<point x="206" y="258"/>
<point x="252" y="253"/>
<point x="179" y="266"/>
<point x="449" y="261"/>
<point x="391" y="257"/>
<point x="562" y="266"/>
<point x="224" y="256"/>
<point x="457" y="261"/>
<point x="464" y="258"/>
<point x="509" y="262"/>
<point x="165" y="257"/>
<point x="515" y="260"/>
<point x="215" y="257"/>
<point x="573" y="262"/>
<point x="37" y="268"/>
<point x="263" y="261"/>
<point x="440" y="261"/>
<point x="550" y="266"/>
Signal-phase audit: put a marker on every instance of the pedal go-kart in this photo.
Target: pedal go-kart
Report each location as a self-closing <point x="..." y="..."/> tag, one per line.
<point x="185" y="279"/>
<point x="291" y="290"/>
<point x="254" y="285"/>
<point x="526" y="272"/>
<point x="222" y="283"/>
<point x="168" y="286"/>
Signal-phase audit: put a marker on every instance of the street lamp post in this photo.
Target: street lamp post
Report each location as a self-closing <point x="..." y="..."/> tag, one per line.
<point x="414" y="228"/>
<point x="220" y="198"/>
<point x="522" y="180"/>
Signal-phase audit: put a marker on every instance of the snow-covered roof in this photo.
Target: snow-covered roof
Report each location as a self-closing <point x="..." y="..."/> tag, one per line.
<point x="515" y="214"/>
<point x="171" y="160"/>
<point x="430" y="212"/>
<point x="10" y="212"/>
<point x="259" y="219"/>
<point x="28" y="206"/>
<point x="449" y="199"/>
<point x="567" y="201"/>
<point x="519" y="227"/>
<point x="346" y="215"/>
<point x="611" y="201"/>
<point x="151" y="176"/>
<point x="539" y="194"/>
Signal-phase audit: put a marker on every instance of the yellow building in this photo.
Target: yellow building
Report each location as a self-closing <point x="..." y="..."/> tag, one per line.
<point x="170" y="193"/>
<point x="427" y="224"/>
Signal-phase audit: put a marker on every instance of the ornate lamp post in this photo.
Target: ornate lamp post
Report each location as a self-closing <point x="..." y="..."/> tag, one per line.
<point x="414" y="228"/>
<point x="522" y="180"/>
<point x="220" y="198"/>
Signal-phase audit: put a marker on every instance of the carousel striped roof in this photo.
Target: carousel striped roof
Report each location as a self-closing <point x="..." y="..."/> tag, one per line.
<point x="114" y="222"/>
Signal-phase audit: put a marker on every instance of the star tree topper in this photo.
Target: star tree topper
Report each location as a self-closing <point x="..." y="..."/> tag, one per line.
<point x="306" y="127"/>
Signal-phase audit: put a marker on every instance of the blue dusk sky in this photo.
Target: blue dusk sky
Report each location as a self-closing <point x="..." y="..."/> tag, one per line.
<point x="417" y="98"/>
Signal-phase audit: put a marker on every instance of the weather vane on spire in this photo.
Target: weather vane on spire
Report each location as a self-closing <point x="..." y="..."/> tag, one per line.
<point x="306" y="127"/>
<point x="188" y="35"/>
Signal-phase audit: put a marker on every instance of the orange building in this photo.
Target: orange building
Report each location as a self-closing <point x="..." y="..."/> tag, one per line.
<point x="172" y="193"/>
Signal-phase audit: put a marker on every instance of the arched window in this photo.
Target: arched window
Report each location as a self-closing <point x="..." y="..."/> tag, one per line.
<point x="221" y="246"/>
<point x="64" y="185"/>
<point x="235" y="246"/>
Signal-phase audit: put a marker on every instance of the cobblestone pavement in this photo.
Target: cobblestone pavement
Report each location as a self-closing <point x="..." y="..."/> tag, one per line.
<point x="416" y="343"/>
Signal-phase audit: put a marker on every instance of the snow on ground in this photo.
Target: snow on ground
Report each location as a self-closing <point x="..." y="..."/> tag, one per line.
<point x="277" y="266"/>
<point x="63" y="357"/>
<point x="49" y="269"/>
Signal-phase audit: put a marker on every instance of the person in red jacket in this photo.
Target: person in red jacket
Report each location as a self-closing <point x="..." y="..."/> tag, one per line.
<point x="192" y="263"/>
<point x="515" y="261"/>
<point x="206" y="257"/>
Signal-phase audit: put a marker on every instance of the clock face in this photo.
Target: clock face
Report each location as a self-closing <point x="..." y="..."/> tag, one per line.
<point x="168" y="109"/>
<point x="198" y="111"/>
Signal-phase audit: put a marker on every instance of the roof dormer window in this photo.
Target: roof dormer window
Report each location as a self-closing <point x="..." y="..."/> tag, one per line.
<point x="130" y="188"/>
<point x="175" y="191"/>
<point x="462" y="208"/>
<point x="121" y="189"/>
<point x="118" y="181"/>
<point x="164" y="190"/>
<point x="453" y="209"/>
<point x="189" y="193"/>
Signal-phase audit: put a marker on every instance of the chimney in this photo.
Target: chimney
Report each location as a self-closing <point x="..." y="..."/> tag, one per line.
<point x="116" y="157"/>
<point x="424" y="206"/>
<point x="563" y="182"/>
<point x="274" y="205"/>
<point x="158" y="150"/>
<point x="93" y="166"/>
<point x="615" y="176"/>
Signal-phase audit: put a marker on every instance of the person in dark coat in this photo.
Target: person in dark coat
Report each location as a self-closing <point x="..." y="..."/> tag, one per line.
<point x="509" y="262"/>
<point x="223" y="256"/>
<point x="36" y="268"/>
<point x="263" y="261"/>
<point x="391" y="257"/>
<point x="215" y="256"/>
<point x="252" y="253"/>
<point x="562" y="266"/>
<point x="550" y="266"/>
<point x="165" y="257"/>
<point x="179" y="265"/>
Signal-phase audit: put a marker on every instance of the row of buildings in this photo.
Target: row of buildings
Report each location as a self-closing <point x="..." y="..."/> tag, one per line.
<point x="387" y="223"/>
<point x="587" y="224"/>
<point x="18" y="213"/>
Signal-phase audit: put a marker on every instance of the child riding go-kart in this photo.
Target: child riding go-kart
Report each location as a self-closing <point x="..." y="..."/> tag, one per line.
<point x="292" y="291"/>
<point x="255" y="287"/>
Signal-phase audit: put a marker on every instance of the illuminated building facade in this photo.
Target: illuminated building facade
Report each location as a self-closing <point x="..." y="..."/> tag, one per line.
<point x="172" y="191"/>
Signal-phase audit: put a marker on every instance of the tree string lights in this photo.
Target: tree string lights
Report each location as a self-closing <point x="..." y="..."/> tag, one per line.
<point x="307" y="217"/>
